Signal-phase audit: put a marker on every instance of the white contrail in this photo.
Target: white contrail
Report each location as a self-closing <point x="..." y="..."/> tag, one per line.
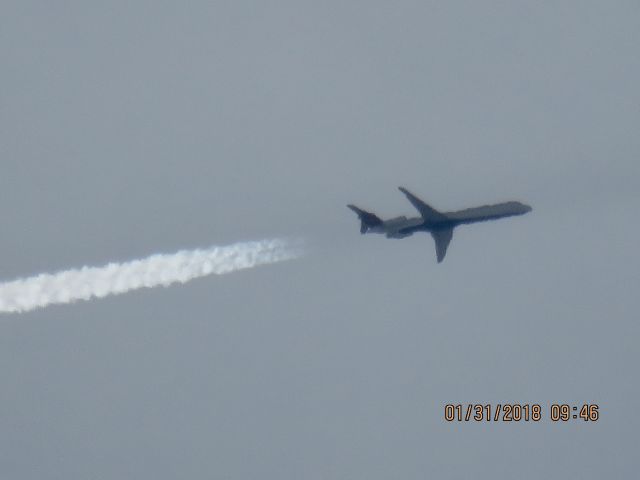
<point x="87" y="282"/>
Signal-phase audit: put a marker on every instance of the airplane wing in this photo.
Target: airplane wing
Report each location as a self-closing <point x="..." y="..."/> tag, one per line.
<point x="442" y="239"/>
<point x="430" y="214"/>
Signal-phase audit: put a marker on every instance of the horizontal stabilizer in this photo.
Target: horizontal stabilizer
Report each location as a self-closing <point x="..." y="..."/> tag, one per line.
<point x="367" y="219"/>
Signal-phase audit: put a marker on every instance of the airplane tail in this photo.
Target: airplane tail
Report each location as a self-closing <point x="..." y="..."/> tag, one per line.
<point x="367" y="219"/>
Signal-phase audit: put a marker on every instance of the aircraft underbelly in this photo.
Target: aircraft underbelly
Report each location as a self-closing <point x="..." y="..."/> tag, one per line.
<point x="401" y="227"/>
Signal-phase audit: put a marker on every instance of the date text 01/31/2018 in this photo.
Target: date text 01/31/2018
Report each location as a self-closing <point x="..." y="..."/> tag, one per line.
<point x="516" y="412"/>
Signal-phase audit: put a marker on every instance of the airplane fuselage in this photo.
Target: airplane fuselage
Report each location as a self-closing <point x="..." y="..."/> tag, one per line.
<point x="401" y="227"/>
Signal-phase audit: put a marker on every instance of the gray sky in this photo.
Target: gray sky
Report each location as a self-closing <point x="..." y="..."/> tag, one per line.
<point x="128" y="128"/>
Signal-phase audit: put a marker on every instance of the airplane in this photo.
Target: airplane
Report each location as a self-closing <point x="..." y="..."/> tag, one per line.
<point x="439" y="224"/>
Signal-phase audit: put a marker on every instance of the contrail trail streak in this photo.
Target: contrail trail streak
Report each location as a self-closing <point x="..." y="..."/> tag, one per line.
<point x="85" y="283"/>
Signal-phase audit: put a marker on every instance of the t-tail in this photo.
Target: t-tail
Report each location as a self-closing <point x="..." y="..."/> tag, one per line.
<point x="367" y="219"/>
